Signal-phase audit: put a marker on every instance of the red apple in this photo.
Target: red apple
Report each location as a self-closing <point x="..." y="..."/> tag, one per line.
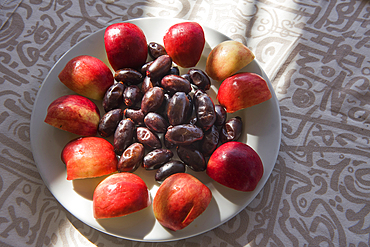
<point x="180" y="199"/>
<point x="184" y="43"/>
<point x="75" y="114"/>
<point x="88" y="76"/>
<point x="235" y="165"/>
<point x="126" y="46"/>
<point x="227" y="58"/>
<point x="120" y="194"/>
<point x="89" y="157"/>
<point x="243" y="90"/>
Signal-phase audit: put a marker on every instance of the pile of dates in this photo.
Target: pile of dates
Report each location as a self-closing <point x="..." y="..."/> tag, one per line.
<point x="154" y="111"/>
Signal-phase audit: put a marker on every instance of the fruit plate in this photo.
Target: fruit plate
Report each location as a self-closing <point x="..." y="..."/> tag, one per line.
<point x="261" y="130"/>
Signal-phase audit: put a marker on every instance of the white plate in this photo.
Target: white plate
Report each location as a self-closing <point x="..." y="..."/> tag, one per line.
<point x="262" y="131"/>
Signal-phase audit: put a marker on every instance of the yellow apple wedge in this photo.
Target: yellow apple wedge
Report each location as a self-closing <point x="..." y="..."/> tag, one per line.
<point x="227" y="58"/>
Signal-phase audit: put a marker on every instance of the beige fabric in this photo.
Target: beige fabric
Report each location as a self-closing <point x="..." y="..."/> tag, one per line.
<point x="316" y="54"/>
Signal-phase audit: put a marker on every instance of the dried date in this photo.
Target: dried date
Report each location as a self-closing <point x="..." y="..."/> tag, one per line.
<point x="183" y="134"/>
<point x="113" y="97"/>
<point x="199" y="79"/>
<point x="156" y="158"/>
<point x="149" y="139"/>
<point x="160" y="67"/>
<point x="131" y="158"/>
<point x="128" y="76"/>
<point x="109" y="122"/>
<point x="178" y="108"/>
<point x="123" y="136"/>
<point x="204" y="109"/>
<point x="152" y="100"/>
<point x="175" y="83"/>
<point x="192" y="157"/>
<point x="231" y="130"/>
<point x="168" y="169"/>
<point x="156" y="122"/>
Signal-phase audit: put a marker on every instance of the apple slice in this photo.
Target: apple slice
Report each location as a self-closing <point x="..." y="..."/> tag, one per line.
<point x="89" y="157"/>
<point x="120" y="194"/>
<point x="227" y="58"/>
<point x="184" y="43"/>
<point x="87" y="76"/>
<point x="126" y="46"/>
<point x="75" y="114"/>
<point x="235" y="165"/>
<point x="180" y="199"/>
<point x="242" y="90"/>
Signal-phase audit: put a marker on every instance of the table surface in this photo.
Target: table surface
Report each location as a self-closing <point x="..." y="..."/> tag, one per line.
<point x="317" y="56"/>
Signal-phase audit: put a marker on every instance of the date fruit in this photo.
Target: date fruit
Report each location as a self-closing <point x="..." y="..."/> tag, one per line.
<point x="221" y="115"/>
<point x="168" y="169"/>
<point x="109" y="122"/>
<point x="149" y="139"/>
<point x="175" y="83"/>
<point x="199" y="79"/>
<point x="128" y="76"/>
<point x="136" y="115"/>
<point x="131" y="158"/>
<point x="210" y="141"/>
<point x="160" y="67"/>
<point x="192" y="157"/>
<point x="231" y="130"/>
<point x="132" y="95"/>
<point x="156" y="50"/>
<point x="123" y="136"/>
<point x="152" y="100"/>
<point x="156" y="158"/>
<point x="183" y="134"/>
<point x="113" y="97"/>
<point x="156" y="122"/>
<point x="178" y="108"/>
<point x="204" y="109"/>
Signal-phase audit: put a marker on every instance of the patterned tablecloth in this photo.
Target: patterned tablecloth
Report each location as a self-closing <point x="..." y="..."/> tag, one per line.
<point x="317" y="56"/>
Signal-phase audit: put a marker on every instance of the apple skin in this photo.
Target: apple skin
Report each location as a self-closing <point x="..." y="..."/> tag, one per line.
<point x="89" y="157"/>
<point x="120" y="194"/>
<point x="125" y="45"/>
<point x="242" y="90"/>
<point x="235" y="165"/>
<point x="75" y="114"/>
<point x="180" y="199"/>
<point x="227" y="58"/>
<point x="184" y="43"/>
<point x="87" y="76"/>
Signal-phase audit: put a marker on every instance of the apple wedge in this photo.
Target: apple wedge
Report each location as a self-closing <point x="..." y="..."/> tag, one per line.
<point x="227" y="58"/>
<point x="125" y="45"/>
<point x="120" y="194"/>
<point x="87" y="76"/>
<point x="75" y="114"/>
<point x="243" y="90"/>
<point x="184" y="43"/>
<point x="89" y="157"/>
<point x="235" y="165"/>
<point x="180" y="199"/>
